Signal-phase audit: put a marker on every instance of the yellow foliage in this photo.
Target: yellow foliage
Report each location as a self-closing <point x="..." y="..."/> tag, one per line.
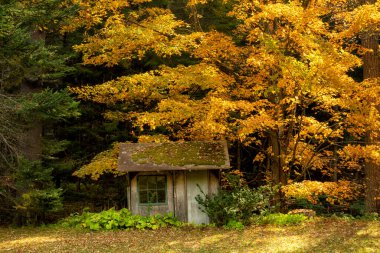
<point x="105" y="162"/>
<point x="195" y="2"/>
<point x="282" y="75"/>
<point x="353" y="156"/>
<point x="341" y="192"/>
<point x="123" y="41"/>
<point x="93" y="12"/>
<point x="159" y="138"/>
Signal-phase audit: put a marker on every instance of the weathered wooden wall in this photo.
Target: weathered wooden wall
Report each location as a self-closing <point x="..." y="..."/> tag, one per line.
<point x="180" y="196"/>
<point x="146" y="209"/>
<point x="204" y="181"/>
<point x="182" y="188"/>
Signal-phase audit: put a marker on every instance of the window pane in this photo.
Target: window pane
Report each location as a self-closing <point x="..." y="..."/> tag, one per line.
<point x="152" y="189"/>
<point x="143" y="182"/>
<point x="161" y="198"/>
<point x="161" y="182"/>
<point x="152" y="195"/>
<point x="152" y="182"/>
<point x="143" y="196"/>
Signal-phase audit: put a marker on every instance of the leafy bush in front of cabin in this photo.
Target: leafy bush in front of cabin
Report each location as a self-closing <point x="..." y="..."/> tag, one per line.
<point x="238" y="204"/>
<point x="121" y="219"/>
<point x="234" y="225"/>
<point x="279" y="219"/>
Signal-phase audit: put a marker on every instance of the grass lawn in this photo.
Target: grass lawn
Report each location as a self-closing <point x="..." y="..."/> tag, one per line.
<point x="319" y="235"/>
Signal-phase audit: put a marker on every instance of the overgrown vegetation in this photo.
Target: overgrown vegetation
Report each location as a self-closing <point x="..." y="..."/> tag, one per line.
<point x="121" y="219"/>
<point x="237" y="205"/>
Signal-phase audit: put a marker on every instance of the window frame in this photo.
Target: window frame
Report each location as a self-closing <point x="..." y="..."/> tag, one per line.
<point x="156" y="190"/>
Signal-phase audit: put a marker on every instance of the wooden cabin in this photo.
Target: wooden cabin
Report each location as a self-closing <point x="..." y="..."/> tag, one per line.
<point x="166" y="177"/>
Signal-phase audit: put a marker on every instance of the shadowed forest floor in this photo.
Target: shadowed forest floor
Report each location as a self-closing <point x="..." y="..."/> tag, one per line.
<point x="320" y="235"/>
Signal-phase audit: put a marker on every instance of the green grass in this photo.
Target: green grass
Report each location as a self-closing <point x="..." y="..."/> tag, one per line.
<point x="320" y="235"/>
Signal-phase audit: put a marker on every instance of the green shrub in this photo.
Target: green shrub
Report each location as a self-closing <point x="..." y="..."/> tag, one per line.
<point x="349" y="217"/>
<point x="239" y="204"/>
<point x="303" y="203"/>
<point x="357" y="208"/>
<point x="371" y="217"/>
<point x="122" y="219"/>
<point x="233" y="224"/>
<point x="280" y="219"/>
<point x="36" y="204"/>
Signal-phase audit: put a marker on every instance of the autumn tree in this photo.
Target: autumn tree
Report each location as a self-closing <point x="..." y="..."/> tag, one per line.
<point x="363" y="20"/>
<point x="280" y="82"/>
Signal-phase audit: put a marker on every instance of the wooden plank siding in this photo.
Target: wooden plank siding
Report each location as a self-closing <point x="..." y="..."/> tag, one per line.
<point x="181" y="192"/>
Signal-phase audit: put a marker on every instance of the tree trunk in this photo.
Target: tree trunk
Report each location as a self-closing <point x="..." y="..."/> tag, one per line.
<point x="371" y="69"/>
<point x="371" y="59"/>
<point x="372" y="186"/>
<point x="278" y="175"/>
<point x="32" y="138"/>
<point x="238" y="155"/>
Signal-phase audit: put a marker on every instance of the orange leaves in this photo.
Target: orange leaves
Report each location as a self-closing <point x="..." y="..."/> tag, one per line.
<point x="217" y="47"/>
<point x="261" y="122"/>
<point x="158" y="138"/>
<point x="170" y="88"/>
<point x="319" y="131"/>
<point x="156" y="85"/>
<point x="126" y="38"/>
<point x="281" y="75"/>
<point x="353" y="156"/>
<point x="341" y="192"/>
<point x="290" y="12"/>
<point x="288" y="23"/>
<point x="207" y="120"/>
<point x="364" y="116"/>
<point x="195" y="2"/>
<point x="93" y="12"/>
<point x="127" y="35"/>
<point x="169" y="112"/>
<point x="103" y="163"/>
<point x="362" y="18"/>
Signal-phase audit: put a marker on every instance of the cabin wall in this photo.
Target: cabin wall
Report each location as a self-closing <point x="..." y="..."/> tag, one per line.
<point x="182" y="188"/>
<point x="152" y="209"/>
<point x="213" y="182"/>
<point x="180" y="196"/>
<point x="205" y="181"/>
<point x="197" y="182"/>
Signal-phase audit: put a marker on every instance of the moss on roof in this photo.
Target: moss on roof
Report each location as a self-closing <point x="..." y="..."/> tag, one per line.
<point x="181" y="154"/>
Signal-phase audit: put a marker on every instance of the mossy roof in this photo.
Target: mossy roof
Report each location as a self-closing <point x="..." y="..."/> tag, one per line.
<point x="192" y="155"/>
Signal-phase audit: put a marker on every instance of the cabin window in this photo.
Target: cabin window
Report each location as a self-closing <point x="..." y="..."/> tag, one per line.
<point x="152" y="189"/>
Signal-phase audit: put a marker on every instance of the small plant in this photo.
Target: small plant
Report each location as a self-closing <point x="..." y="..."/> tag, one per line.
<point x="280" y="219"/>
<point x="122" y="219"/>
<point x="233" y="224"/>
